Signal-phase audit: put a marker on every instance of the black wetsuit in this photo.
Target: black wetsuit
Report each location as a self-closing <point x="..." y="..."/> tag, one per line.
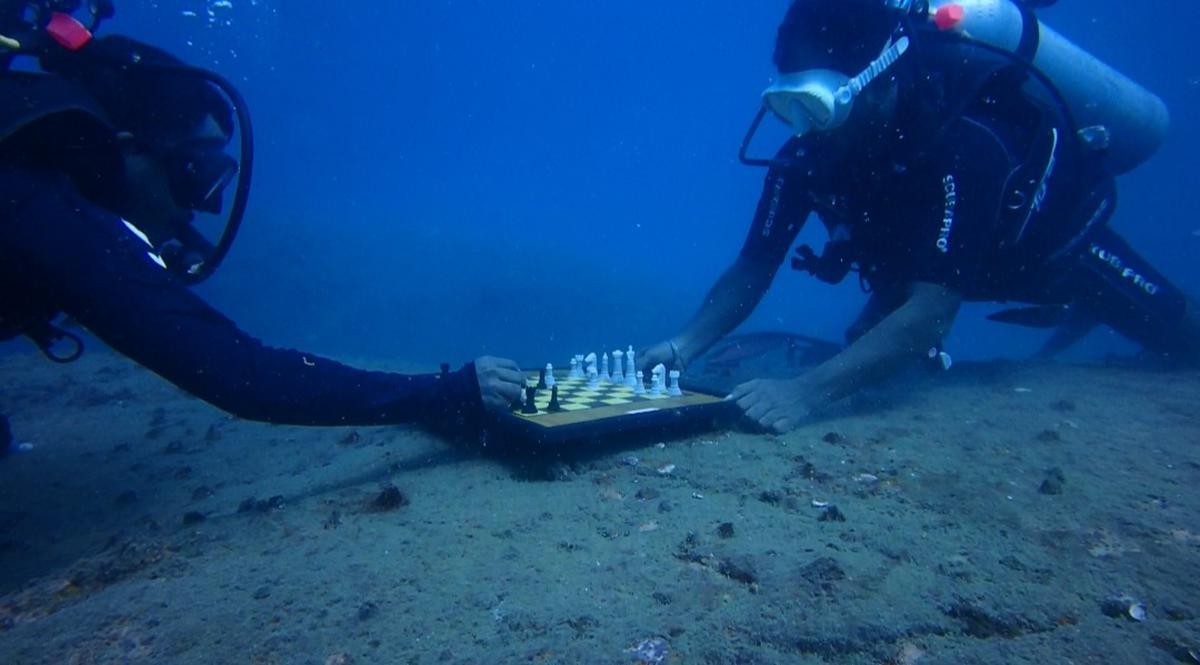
<point x="999" y="204"/>
<point x="63" y="252"/>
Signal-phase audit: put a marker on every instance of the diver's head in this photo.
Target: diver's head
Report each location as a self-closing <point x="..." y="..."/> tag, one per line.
<point x="167" y="113"/>
<point x="169" y="180"/>
<point x="830" y="55"/>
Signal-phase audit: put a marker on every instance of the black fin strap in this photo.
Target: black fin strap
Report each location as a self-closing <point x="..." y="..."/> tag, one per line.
<point x="1031" y="35"/>
<point x="46" y="335"/>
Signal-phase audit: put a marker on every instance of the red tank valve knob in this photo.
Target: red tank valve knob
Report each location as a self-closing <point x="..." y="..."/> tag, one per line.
<point x="68" y="32"/>
<point x="949" y="17"/>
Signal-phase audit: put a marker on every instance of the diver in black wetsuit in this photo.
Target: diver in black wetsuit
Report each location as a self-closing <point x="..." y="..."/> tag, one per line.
<point x="105" y="155"/>
<point x="959" y="174"/>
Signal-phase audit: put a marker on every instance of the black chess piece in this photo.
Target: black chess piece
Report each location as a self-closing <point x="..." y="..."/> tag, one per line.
<point x="542" y="379"/>
<point x="530" y="408"/>
<point x="554" y="406"/>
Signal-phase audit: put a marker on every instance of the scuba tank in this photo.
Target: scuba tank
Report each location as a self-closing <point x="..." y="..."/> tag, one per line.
<point x="1114" y="114"/>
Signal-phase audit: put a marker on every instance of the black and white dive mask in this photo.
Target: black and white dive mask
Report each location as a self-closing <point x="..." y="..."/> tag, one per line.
<point x="821" y="99"/>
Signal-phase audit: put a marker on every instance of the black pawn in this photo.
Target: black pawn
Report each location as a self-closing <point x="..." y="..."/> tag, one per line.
<point x="530" y="407"/>
<point x="554" y="407"/>
<point x="542" y="379"/>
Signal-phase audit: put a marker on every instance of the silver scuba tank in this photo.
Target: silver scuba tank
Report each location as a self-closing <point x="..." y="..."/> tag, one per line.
<point x="1111" y="110"/>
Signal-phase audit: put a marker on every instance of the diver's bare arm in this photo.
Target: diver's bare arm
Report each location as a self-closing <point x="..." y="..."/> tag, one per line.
<point x="728" y="303"/>
<point x="898" y="340"/>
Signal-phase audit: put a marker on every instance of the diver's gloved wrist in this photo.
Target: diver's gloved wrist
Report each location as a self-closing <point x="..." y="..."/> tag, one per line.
<point x="456" y="398"/>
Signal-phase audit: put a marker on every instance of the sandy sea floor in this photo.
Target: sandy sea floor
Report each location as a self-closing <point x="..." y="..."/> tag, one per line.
<point x="1001" y="514"/>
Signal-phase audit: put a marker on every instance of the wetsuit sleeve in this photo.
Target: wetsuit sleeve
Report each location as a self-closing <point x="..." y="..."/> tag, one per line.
<point x="782" y="210"/>
<point x="86" y="263"/>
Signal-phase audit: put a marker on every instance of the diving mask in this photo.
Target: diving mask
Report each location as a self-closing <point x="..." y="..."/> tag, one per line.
<point x="198" y="172"/>
<point x="821" y="99"/>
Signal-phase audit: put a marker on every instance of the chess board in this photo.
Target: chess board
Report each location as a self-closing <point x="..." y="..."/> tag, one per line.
<point x="611" y="409"/>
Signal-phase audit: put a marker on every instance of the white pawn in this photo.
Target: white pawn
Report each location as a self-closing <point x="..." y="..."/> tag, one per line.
<point x="673" y="387"/>
<point x="639" y="383"/>
<point x="630" y="370"/>
<point x="618" y="376"/>
<point x="575" y="372"/>
<point x="605" y="377"/>
<point x="550" y="375"/>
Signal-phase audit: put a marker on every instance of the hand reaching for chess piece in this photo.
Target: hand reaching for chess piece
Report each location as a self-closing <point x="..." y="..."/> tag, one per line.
<point x="501" y="382"/>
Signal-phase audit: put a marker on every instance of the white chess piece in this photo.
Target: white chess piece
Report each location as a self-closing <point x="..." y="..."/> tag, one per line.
<point x="618" y="375"/>
<point x="630" y="370"/>
<point x="574" y="373"/>
<point x="656" y="379"/>
<point x="593" y="379"/>
<point x="550" y="375"/>
<point x="605" y="377"/>
<point x="589" y="364"/>
<point x="673" y="388"/>
<point x="639" y="383"/>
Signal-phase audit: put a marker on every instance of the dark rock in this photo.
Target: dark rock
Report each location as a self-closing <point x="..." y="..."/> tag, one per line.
<point x="831" y="514"/>
<point x="771" y="497"/>
<point x="1013" y="563"/>
<point x="158" y="417"/>
<point x="1178" y="613"/>
<point x="1116" y="607"/>
<point x="647" y="494"/>
<point x="352" y="437"/>
<point x="175" y="447"/>
<point x="661" y="598"/>
<point x="262" y="592"/>
<point x="834" y="438"/>
<point x="193" y="517"/>
<point x="818" y="578"/>
<point x="333" y="521"/>
<point x="985" y="623"/>
<point x="582" y="625"/>
<point x="725" y="530"/>
<point x="127" y="498"/>
<point x="201" y="493"/>
<point x="738" y="569"/>
<point x="213" y="434"/>
<point x="261" y="506"/>
<point x="1054" y="481"/>
<point x="665" y="506"/>
<point x="1049" y="436"/>
<point x="389" y="498"/>
<point x="367" y="610"/>
<point x="809" y="471"/>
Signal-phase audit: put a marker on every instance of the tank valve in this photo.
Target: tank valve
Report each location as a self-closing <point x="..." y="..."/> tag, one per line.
<point x="949" y="17"/>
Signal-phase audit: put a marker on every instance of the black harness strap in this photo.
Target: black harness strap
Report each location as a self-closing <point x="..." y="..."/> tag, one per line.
<point x="1031" y="35"/>
<point x="46" y="336"/>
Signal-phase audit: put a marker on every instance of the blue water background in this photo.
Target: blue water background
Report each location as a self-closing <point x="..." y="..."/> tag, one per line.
<point x="446" y="178"/>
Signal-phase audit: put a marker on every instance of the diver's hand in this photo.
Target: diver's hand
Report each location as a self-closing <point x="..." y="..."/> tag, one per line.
<point x="775" y="405"/>
<point x="501" y="382"/>
<point x="656" y="354"/>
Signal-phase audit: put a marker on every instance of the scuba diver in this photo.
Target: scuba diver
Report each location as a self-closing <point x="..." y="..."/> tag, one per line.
<point x="109" y="149"/>
<point x="954" y="151"/>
